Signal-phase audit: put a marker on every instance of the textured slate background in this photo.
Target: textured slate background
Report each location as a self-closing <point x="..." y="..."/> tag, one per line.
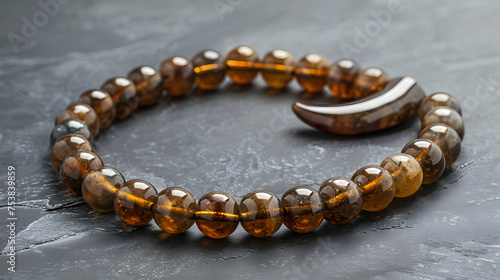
<point x="224" y="141"/>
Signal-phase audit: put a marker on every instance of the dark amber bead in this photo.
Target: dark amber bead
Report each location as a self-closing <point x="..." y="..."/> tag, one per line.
<point x="436" y="100"/>
<point x="368" y="82"/>
<point x="67" y="145"/>
<point x="341" y="78"/>
<point x="174" y="210"/>
<point x="406" y="172"/>
<point x="100" y="187"/>
<point x="217" y="215"/>
<point x="178" y="75"/>
<point x="261" y="213"/>
<point x="430" y="157"/>
<point x="312" y="71"/>
<point x="447" y="116"/>
<point x="343" y="200"/>
<point x="75" y="167"/>
<point x="242" y="65"/>
<point x="82" y="112"/>
<point x="209" y="69"/>
<point x="71" y="126"/>
<point x="102" y="103"/>
<point x="148" y="84"/>
<point x="134" y="201"/>
<point x="124" y="95"/>
<point x="446" y="138"/>
<point x="277" y="68"/>
<point x="376" y="185"/>
<point x="304" y="210"/>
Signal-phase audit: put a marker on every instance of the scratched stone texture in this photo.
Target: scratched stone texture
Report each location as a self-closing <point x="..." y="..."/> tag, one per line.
<point x="237" y="140"/>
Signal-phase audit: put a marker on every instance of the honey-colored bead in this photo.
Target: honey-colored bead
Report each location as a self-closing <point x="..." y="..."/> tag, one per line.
<point x="178" y="75"/>
<point x="406" y="172"/>
<point x="312" y="71"/>
<point x="82" y="112"/>
<point x="217" y="215"/>
<point x="209" y="69"/>
<point x="67" y="145"/>
<point x="134" y="201"/>
<point x="436" y="100"/>
<point x="277" y="68"/>
<point x="430" y="157"/>
<point x="75" y="167"/>
<point x="368" y="82"/>
<point x="304" y="210"/>
<point x="148" y="84"/>
<point x="341" y="78"/>
<point x="174" y="210"/>
<point x="102" y="103"/>
<point x="241" y="63"/>
<point x="447" y="116"/>
<point x="100" y="187"/>
<point x="343" y="200"/>
<point x="376" y="185"/>
<point x="71" y="126"/>
<point x="446" y="138"/>
<point x="261" y="213"/>
<point x="124" y="95"/>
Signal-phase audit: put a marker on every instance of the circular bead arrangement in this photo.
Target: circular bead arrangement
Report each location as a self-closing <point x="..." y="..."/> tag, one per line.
<point x="261" y="213"/>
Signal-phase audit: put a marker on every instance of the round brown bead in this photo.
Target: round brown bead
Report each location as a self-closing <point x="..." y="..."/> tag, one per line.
<point x="376" y="185"/>
<point x="71" y="126"/>
<point x="82" y="112"/>
<point x="174" y="210"/>
<point x="148" y="84"/>
<point x="100" y="187"/>
<point x="241" y="63"/>
<point x="304" y="210"/>
<point x="406" y="172"/>
<point x="65" y="146"/>
<point x="178" y="75"/>
<point x="368" y="82"/>
<point x="430" y="157"/>
<point x="447" y="116"/>
<point x="312" y="71"/>
<point x="436" y="100"/>
<point x="75" y="167"/>
<point x="446" y="138"/>
<point x="343" y="200"/>
<point x="341" y="78"/>
<point x="134" y="201"/>
<point x="102" y="103"/>
<point x="217" y="215"/>
<point x="277" y="68"/>
<point x="261" y="213"/>
<point x="124" y="95"/>
<point x="209" y="69"/>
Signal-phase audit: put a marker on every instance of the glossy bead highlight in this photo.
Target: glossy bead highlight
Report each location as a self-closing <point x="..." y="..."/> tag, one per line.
<point x="217" y="215"/>
<point x="341" y="77"/>
<point x="134" y="201"/>
<point x="406" y="172"/>
<point x="71" y="126"/>
<point x="343" y="200"/>
<point x="369" y="81"/>
<point x="209" y="69"/>
<point x="75" y="167"/>
<point x="312" y="71"/>
<point x="178" y="76"/>
<point x="261" y="213"/>
<point x="446" y="138"/>
<point x="148" y="84"/>
<point x="241" y="63"/>
<point x="447" y="116"/>
<point x="99" y="188"/>
<point x="82" y="112"/>
<point x="277" y="68"/>
<point x="102" y="103"/>
<point x="430" y="157"/>
<point x="376" y="185"/>
<point x="436" y="100"/>
<point x="174" y="210"/>
<point x="304" y="209"/>
<point x="124" y="95"/>
<point x="67" y="145"/>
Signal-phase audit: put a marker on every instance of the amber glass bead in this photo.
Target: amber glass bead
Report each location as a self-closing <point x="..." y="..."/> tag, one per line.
<point x="134" y="201"/>
<point x="217" y="215"/>
<point x="209" y="69"/>
<point x="100" y="187"/>
<point x="102" y="103"/>
<point x="261" y="213"/>
<point x="446" y="138"/>
<point x="174" y="210"/>
<point x="341" y="77"/>
<point x="75" y="167"/>
<point x="277" y="68"/>
<point x="71" y="126"/>
<point x="430" y="157"/>
<point x="312" y="71"/>
<point x="82" y="112"/>
<point x="343" y="200"/>
<point x="67" y="145"/>
<point x="447" y="116"/>
<point x="242" y="65"/>
<point x="304" y="210"/>
<point x="124" y="95"/>
<point x="377" y="187"/>
<point x="368" y="82"/>
<point x="148" y="84"/>
<point x="436" y="100"/>
<point x="178" y="75"/>
<point x="406" y="172"/>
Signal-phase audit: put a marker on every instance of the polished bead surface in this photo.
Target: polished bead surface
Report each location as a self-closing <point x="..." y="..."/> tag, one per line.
<point x="261" y="213"/>
<point x="102" y="103"/>
<point x="174" y="210"/>
<point x="67" y="145"/>
<point x="406" y="172"/>
<point x="312" y="71"/>
<point x="178" y="75"/>
<point x="343" y="200"/>
<point x="82" y="112"/>
<point x="436" y="100"/>
<point x="99" y="188"/>
<point x="446" y="138"/>
<point x="447" y="116"/>
<point x="376" y="185"/>
<point x="75" y="167"/>
<point x="277" y="68"/>
<point x="134" y="201"/>
<point x="124" y="95"/>
<point x="217" y="215"/>
<point x="209" y="69"/>
<point x="369" y="81"/>
<point x="241" y="63"/>
<point x="341" y="77"/>
<point x="304" y="210"/>
<point x="430" y="157"/>
<point x="148" y="84"/>
<point x="71" y="126"/>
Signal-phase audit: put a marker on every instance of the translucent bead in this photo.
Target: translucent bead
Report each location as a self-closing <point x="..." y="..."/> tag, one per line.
<point x="241" y="64"/>
<point x="100" y="187"/>
<point x="261" y="213"/>
<point x="65" y="146"/>
<point x="447" y="116"/>
<point x="209" y="69"/>
<point x="134" y="201"/>
<point x="82" y="112"/>
<point x="304" y="210"/>
<point x="102" y="103"/>
<point x="312" y="71"/>
<point x="174" y="210"/>
<point x="430" y="157"/>
<point x="341" y="78"/>
<point x="71" y="126"/>
<point x="343" y="200"/>
<point x="406" y="172"/>
<point x="376" y="185"/>
<point x="124" y="95"/>
<point x="446" y="138"/>
<point x="277" y="68"/>
<point x="436" y="100"/>
<point x="75" y="167"/>
<point x="148" y="84"/>
<point x="178" y="75"/>
<point x="369" y="81"/>
<point x="217" y="215"/>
